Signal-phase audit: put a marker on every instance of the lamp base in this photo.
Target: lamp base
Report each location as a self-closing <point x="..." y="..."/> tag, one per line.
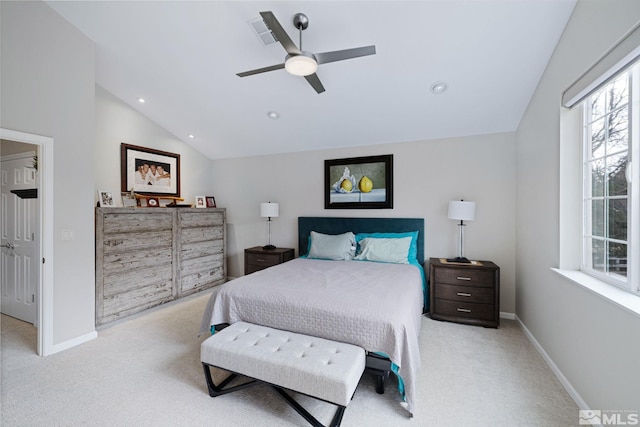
<point x="462" y="260"/>
<point x="268" y="247"/>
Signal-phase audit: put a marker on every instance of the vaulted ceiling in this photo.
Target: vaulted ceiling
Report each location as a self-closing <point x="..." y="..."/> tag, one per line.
<point x="183" y="57"/>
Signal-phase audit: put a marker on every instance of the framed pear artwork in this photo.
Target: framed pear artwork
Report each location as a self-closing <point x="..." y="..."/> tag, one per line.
<point x="359" y="183"/>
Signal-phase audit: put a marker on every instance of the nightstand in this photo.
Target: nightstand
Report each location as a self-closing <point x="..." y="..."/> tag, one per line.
<point x="257" y="258"/>
<point x="465" y="293"/>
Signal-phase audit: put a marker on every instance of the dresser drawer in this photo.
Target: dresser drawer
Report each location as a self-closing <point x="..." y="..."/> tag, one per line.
<point x="472" y="294"/>
<point x="465" y="277"/>
<point x="263" y="260"/>
<point x="465" y="309"/>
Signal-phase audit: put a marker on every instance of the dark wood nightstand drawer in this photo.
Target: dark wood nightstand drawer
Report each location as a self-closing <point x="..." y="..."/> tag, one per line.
<point x="263" y="260"/>
<point x="465" y="309"/>
<point x="472" y="294"/>
<point x="465" y="277"/>
<point x="257" y="258"/>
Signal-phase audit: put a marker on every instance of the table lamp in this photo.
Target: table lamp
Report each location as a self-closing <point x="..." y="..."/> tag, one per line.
<point x="269" y="210"/>
<point x="461" y="211"/>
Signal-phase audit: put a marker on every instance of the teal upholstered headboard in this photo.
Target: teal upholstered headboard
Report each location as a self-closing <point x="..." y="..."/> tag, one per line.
<point x="339" y="225"/>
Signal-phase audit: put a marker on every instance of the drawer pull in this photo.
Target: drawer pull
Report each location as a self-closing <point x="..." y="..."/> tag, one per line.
<point x="463" y="278"/>
<point x="261" y="260"/>
<point x="463" y="294"/>
<point x="464" y="310"/>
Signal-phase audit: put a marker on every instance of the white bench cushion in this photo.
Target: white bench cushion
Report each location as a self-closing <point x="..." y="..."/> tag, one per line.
<point x="317" y="367"/>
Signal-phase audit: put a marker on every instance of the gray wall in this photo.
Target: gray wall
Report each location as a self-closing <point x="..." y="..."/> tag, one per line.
<point x="117" y="122"/>
<point x="592" y="341"/>
<point x="47" y="74"/>
<point x="427" y="175"/>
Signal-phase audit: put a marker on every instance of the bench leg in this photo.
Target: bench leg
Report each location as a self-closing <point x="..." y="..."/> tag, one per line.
<point x="335" y="422"/>
<point x="218" y="390"/>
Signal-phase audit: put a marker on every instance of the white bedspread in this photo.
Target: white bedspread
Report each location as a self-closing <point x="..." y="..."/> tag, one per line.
<point x="373" y="305"/>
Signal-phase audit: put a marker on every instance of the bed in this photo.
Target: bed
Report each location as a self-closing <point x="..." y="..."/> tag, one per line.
<point x="375" y="305"/>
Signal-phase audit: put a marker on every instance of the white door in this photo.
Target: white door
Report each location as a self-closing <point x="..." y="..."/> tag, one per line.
<point x="19" y="259"/>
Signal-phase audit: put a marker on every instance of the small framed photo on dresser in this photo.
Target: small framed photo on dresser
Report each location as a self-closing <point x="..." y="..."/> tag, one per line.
<point x="211" y="201"/>
<point x="201" y="202"/>
<point x="106" y="199"/>
<point x="129" y="200"/>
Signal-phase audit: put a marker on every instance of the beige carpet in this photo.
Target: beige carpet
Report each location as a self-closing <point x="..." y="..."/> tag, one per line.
<point x="146" y="372"/>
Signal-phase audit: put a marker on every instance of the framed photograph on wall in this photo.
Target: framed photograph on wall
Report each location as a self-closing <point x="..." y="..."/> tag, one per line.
<point x="359" y="183"/>
<point x="211" y="201"/>
<point x="106" y="198"/>
<point x="201" y="202"/>
<point x="149" y="172"/>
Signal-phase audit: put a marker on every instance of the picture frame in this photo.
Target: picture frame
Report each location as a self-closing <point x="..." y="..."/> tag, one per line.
<point x="149" y="172"/>
<point x="128" y="200"/>
<point x="201" y="202"/>
<point x="359" y="182"/>
<point x="153" y="202"/>
<point x="106" y="199"/>
<point x="210" y="201"/>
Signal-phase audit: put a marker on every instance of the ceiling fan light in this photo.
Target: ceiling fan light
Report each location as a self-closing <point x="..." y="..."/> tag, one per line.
<point x="301" y="65"/>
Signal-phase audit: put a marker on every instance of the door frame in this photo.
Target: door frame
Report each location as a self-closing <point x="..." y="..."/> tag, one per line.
<point x="45" y="201"/>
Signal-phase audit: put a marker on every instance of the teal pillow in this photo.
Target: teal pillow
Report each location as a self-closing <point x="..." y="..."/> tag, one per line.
<point x="413" y="247"/>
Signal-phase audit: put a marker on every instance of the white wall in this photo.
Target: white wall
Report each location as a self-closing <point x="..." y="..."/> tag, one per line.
<point x="117" y="122"/>
<point x="593" y="342"/>
<point x="427" y="174"/>
<point x="47" y="73"/>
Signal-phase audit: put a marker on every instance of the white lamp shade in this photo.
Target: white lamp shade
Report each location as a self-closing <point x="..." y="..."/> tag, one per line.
<point x="269" y="210"/>
<point x="461" y="210"/>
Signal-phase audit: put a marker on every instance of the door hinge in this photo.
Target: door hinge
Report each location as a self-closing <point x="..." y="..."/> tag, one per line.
<point x="33" y="298"/>
<point x="43" y="260"/>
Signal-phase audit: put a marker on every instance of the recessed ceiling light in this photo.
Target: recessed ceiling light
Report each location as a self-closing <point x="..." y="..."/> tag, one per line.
<point x="141" y="100"/>
<point x="273" y="115"/>
<point x="438" y="87"/>
<point x="191" y="136"/>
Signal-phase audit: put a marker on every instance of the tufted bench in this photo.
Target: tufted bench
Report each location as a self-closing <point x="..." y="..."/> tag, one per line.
<point x="326" y="370"/>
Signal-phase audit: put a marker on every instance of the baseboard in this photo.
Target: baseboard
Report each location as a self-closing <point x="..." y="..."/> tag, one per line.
<point x="554" y="368"/>
<point x="508" y="316"/>
<point x="73" y="342"/>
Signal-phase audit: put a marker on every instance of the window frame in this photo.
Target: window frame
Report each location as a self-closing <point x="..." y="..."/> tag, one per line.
<point x="630" y="282"/>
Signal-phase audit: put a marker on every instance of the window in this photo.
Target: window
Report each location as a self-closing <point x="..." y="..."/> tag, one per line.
<point x="610" y="198"/>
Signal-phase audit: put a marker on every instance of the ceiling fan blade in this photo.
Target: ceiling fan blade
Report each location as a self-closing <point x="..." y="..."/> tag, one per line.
<point x="261" y="70"/>
<point x="280" y="33"/>
<point x="341" y="55"/>
<point x="314" y="81"/>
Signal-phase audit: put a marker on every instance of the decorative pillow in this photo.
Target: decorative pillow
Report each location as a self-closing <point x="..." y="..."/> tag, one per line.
<point x="413" y="248"/>
<point x="333" y="247"/>
<point x="395" y="250"/>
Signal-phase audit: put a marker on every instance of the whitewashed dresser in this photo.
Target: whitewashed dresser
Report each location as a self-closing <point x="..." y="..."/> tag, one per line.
<point x="149" y="256"/>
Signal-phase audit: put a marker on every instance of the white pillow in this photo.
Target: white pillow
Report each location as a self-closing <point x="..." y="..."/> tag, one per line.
<point x="385" y="250"/>
<point x="333" y="247"/>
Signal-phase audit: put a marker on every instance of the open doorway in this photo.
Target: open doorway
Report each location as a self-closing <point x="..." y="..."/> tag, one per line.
<point x="29" y="249"/>
<point x="19" y="232"/>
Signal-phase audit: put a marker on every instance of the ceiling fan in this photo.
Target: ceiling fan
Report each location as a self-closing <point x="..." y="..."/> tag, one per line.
<point x="300" y="62"/>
